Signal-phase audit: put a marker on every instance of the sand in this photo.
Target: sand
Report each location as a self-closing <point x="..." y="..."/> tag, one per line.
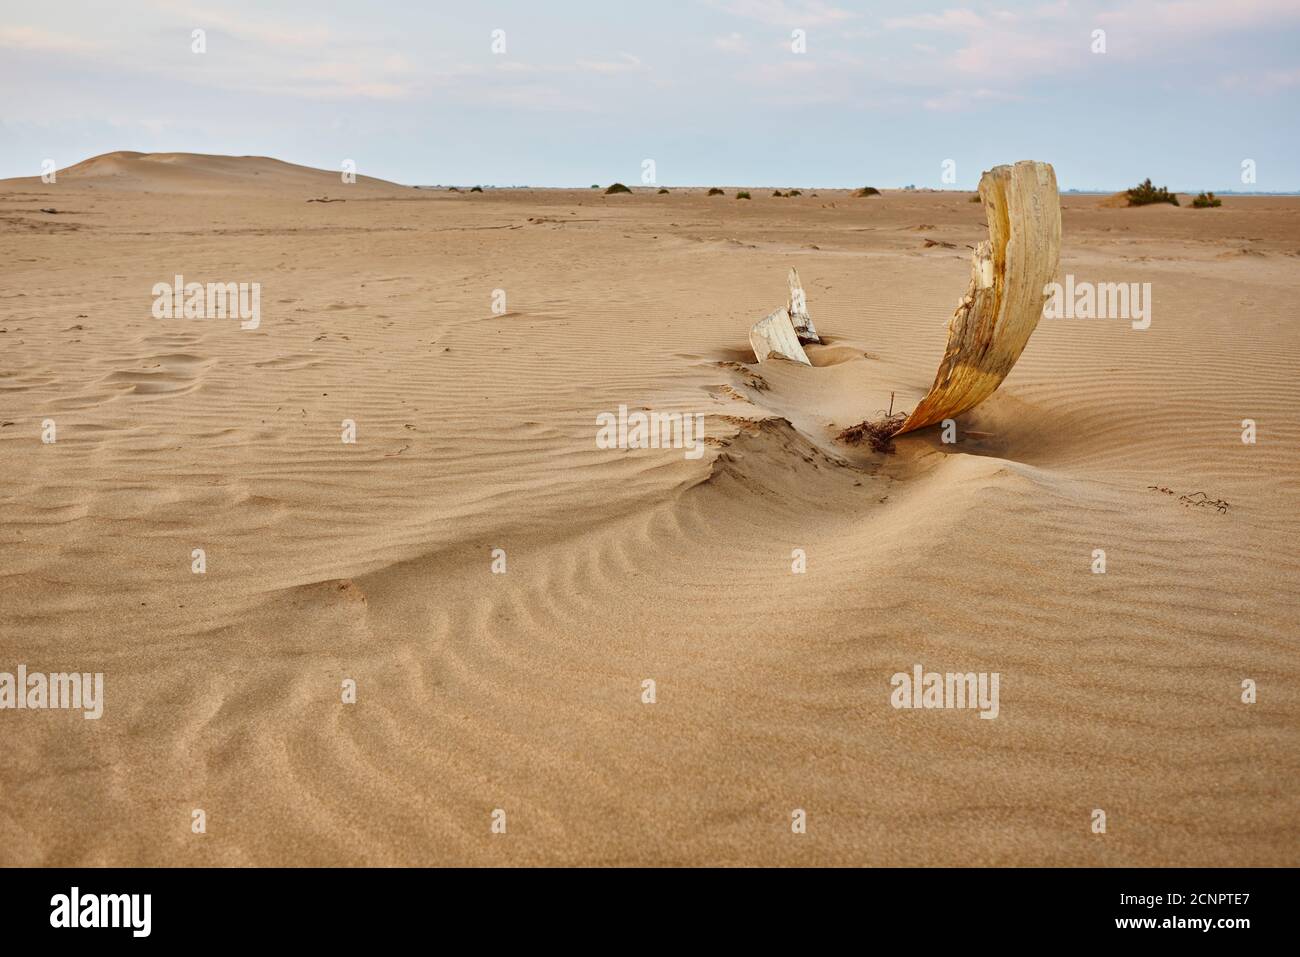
<point x="523" y="691"/>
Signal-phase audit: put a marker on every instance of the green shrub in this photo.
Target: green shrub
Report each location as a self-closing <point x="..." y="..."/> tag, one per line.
<point x="795" y="192"/>
<point x="1206" y="200"/>
<point x="716" y="192"/>
<point x="476" y="189"/>
<point x="778" y="193"/>
<point x="743" y="194"/>
<point x="617" y="188"/>
<point x="867" y="191"/>
<point x="1144" y="194"/>
<point x="662" y="191"/>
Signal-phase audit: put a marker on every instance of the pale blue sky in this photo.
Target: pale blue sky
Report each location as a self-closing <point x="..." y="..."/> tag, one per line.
<point x="711" y="90"/>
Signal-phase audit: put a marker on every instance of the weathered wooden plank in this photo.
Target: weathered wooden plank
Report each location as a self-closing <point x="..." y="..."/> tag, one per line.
<point x="776" y="335"/>
<point x="1005" y="298"/>
<point x="996" y="317"/>
<point x="785" y="330"/>
<point x="798" y="307"/>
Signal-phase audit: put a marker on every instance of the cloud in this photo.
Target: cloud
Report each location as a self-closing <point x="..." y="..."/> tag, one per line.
<point x="963" y="99"/>
<point x="791" y="14"/>
<point x="43" y="41"/>
<point x="276" y="33"/>
<point x="732" y="43"/>
<point x="1208" y="18"/>
<point x="536" y="98"/>
<point x="948" y="20"/>
<point x="1012" y="56"/>
<point x="1267" y="81"/>
<point x="345" y="80"/>
<point x="627" y="63"/>
<point x="342" y="91"/>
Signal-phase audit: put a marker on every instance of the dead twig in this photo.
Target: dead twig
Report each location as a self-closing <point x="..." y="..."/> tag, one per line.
<point x="1204" y="501"/>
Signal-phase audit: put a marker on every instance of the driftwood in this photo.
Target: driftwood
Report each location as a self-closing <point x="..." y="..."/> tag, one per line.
<point x="1000" y="310"/>
<point x="785" y="330"/>
<point x="1004" y="301"/>
<point x="798" y="307"/>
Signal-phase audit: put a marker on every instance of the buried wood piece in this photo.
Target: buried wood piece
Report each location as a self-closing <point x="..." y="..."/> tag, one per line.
<point x="798" y="307"/>
<point x="775" y="335"/>
<point x="1005" y="298"/>
<point x="785" y="330"/>
<point x="993" y="321"/>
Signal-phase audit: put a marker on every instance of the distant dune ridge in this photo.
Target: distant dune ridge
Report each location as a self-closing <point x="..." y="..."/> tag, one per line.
<point x="497" y="588"/>
<point x="205" y="173"/>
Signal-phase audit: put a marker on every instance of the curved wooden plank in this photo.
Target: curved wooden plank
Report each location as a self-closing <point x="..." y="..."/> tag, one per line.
<point x="1005" y="298"/>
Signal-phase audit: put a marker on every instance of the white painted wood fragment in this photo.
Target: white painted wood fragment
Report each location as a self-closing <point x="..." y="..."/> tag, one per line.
<point x="775" y="335"/>
<point x="798" y="307"/>
<point x="784" y="331"/>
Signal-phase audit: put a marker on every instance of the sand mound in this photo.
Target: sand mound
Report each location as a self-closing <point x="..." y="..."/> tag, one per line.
<point x="1120" y="201"/>
<point x="204" y="173"/>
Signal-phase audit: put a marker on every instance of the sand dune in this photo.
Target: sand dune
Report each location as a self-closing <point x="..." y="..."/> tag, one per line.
<point x="187" y="173"/>
<point x="475" y="431"/>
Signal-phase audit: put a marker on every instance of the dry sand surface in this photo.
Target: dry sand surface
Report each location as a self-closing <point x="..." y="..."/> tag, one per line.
<point x="523" y="691"/>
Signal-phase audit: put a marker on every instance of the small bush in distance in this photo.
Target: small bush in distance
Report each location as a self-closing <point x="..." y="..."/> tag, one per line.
<point x="1144" y="194"/>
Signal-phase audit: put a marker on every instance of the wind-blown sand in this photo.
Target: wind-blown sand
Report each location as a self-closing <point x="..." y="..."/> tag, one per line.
<point x="523" y="691"/>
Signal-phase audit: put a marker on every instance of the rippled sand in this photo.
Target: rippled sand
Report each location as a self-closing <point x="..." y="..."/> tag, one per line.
<point x="523" y="691"/>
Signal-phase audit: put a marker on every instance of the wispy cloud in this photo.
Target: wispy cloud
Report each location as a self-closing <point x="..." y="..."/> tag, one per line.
<point x="255" y="27"/>
<point x="949" y="20"/>
<point x="1263" y="81"/>
<point x="963" y="99"/>
<point x="626" y="63"/>
<point x="43" y="41"/>
<point x="788" y="13"/>
<point x="731" y="43"/>
<point x="1208" y="18"/>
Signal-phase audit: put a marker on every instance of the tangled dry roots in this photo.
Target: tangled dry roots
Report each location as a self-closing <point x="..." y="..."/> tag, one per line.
<point x="879" y="433"/>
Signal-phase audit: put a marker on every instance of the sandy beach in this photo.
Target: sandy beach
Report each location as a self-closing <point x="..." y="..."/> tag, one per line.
<point x="499" y="589"/>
